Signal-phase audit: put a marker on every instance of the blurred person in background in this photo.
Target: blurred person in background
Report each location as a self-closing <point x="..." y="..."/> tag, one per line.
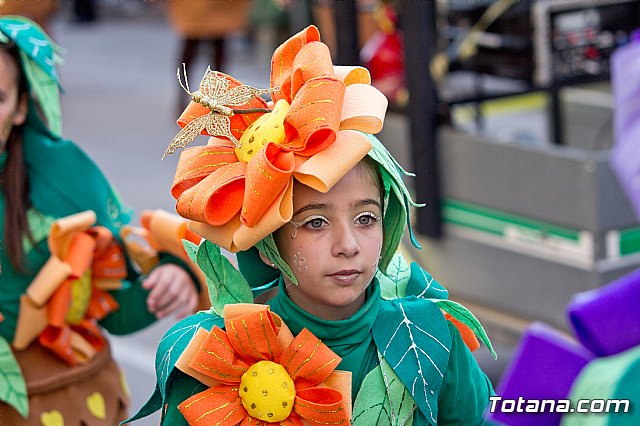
<point x="57" y="293"/>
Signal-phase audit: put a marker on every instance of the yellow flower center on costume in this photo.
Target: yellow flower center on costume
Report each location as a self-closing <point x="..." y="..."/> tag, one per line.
<point x="267" y="392"/>
<point x="268" y="128"/>
<point x="81" y="295"/>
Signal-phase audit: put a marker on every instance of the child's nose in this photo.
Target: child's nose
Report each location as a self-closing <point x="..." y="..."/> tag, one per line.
<point x="345" y="242"/>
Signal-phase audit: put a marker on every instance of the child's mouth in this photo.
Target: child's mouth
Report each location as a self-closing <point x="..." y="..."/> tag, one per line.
<point x="345" y="277"/>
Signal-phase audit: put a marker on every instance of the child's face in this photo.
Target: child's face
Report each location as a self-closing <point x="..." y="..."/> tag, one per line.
<point x="333" y="243"/>
<point x="12" y="109"/>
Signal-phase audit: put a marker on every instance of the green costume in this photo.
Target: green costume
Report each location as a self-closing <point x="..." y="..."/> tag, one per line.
<point x="63" y="180"/>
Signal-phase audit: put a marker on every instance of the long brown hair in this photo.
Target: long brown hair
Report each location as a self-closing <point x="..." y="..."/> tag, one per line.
<point x="14" y="180"/>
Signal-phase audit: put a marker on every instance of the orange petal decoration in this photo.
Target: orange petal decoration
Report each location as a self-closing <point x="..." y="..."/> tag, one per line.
<point x="239" y="122"/>
<point x="268" y="173"/>
<point x="312" y="61"/>
<point x="217" y="198"/>
<point x="80" y="253"/>
<point x="282" y="61"/>
<point x="314" y="117"/>
<point x="218" y="360"/>
<point x="321" y="406"/>
<point x="254" y="336"/>
<point x="308" y="360"/>
<point x="199" y="162"/>
<point x="215" y="406"/>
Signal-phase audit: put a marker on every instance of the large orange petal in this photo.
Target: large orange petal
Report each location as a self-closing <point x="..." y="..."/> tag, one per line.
<point x="254" y="336"/>
<point x="217" y="359"/>
<point x="215" y="406"/>
<point x="197" y="163"/>
<point x="220" y="235"/>
<point x="308" y="361"/>
<point x="282" y="61"/>
<point x="239" y="122"/>
<point x="321" y="406"/>
<point x="109" y="262"/>
<point x="314" y="117"/>
<point x="267" y="175"/>
<point x="279" y="213"/>
<point x="80" y="254"/>
<point x="217" y="198"/>
<point x="313" y="61"/>
<point x="326" y="168"/>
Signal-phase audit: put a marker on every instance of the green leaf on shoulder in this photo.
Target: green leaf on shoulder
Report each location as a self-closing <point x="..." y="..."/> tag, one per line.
<point x="393" y="283"/>
<point x="383" y="399"/>
<point x="465" y="316"/>
<point x="174" y="342"/>
<point x="225" y="283"/>
<point x="13" y="389"/>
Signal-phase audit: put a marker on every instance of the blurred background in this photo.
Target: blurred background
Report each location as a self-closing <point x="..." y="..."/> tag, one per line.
<point x="504" y="110"/>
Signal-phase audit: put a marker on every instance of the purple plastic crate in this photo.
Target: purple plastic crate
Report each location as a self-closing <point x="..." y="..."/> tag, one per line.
<point x="543" y="368"/>
<point x="606" y="320"/>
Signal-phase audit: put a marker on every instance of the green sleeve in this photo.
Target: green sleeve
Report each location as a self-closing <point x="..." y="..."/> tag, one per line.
<point x="465" y="391"/>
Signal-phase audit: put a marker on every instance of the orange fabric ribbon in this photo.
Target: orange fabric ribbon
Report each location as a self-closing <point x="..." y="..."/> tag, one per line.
<point x="221" y="359"/>
<point x="234" y="203"/>
<point x="65" y="300"/>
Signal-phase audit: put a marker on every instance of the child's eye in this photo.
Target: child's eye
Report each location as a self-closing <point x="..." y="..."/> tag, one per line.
<point x="315" y="222"/>
<point x="366" y="219"/>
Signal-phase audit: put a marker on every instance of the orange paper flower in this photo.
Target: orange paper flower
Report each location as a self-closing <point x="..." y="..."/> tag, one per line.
<point x="67" y="298"/>
<point x="237" y="195"/>
<point x="261" y="375"/>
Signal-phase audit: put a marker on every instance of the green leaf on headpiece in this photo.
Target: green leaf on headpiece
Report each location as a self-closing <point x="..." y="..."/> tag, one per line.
<point x="45" y="90"/>
<point x="267" y="246"/>
<point x="465" y="316"/>
<point x="225" y="283"/>
<point x="13" y="389"/>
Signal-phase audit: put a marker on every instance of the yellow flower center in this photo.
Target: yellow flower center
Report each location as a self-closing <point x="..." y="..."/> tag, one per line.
<point x="267" y="392"/>
<point x="268" y="128"/>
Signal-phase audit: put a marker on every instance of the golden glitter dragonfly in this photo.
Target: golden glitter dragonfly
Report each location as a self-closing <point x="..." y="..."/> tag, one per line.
<point x="214" y="93"/>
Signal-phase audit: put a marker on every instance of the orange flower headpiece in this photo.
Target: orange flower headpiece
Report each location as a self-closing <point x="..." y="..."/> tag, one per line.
<point x="238" y="188"/>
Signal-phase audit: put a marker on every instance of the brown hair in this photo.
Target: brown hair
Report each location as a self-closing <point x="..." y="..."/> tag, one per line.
<point x="14" y="180"/>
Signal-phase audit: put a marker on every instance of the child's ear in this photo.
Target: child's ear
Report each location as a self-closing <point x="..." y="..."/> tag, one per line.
<point x="20" y="114"/>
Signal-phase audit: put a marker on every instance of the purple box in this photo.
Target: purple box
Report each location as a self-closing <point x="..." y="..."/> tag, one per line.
<point x="543" y="368"/>
<point x="606" y="320"/>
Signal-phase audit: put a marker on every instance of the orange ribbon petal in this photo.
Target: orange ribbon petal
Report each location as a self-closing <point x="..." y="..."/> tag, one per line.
<point x="321" y="406"/>
<point x="254" y="336"/>
<point x="282" y="61"/>
<point x="80" y="254"/>
<point x="308" y="361"/>
<point x="267" y="175"/>
<point x="312" y="61"/>
<point x="101" y="304"/>
<point x="217" y="198"/>
<point x="215" y="406"/>
<point x="199" y="162"/>
<point x="326" y="168"/>
<point x="60" y="303"/>
<point x="58" y="340"/>
<point x="218" y="360"/>
<point x="238" y="122"/>
<point x="314" y="117"/>
<point x="109" y="262"/>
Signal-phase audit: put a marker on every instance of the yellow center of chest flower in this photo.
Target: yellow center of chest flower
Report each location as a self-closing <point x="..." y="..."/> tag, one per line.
<point x="268" y="128"/>
<point x="267" y="392"/>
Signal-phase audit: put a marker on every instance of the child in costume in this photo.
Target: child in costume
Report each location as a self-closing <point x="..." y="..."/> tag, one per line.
<point x="63" y="269"/>
<point x="349" y="333"/>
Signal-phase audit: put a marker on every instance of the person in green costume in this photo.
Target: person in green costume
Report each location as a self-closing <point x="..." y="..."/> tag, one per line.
<point x="44" y="178"/>
<point x="332" y="268"/>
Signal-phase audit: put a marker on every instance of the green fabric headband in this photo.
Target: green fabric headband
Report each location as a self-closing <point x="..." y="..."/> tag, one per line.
<point x="39" y="57"/>
<point x="396" y="217"/>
